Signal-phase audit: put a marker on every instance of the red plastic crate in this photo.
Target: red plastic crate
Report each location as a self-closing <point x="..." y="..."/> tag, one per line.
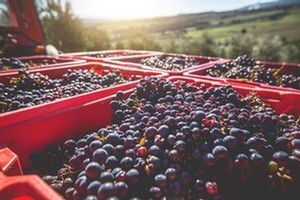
<point x="9" y="163"/>
<point x="34" y="135"/>
<point x="29" y="187"/>
<point x="28" y="136"/>
<point x="287" y="68"/>
<point x="14" y="118"/>
<point x="36" y="62"/>
<point x="134" y="61"/>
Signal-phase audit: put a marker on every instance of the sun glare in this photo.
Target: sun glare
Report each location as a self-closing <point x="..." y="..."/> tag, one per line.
<point x="128" y="9"/>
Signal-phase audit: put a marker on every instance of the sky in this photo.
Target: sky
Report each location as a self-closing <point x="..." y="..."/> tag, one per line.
<point x="129" y="9"/>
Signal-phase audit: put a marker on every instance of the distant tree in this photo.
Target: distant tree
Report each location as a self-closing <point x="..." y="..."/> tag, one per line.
<point x="240" y="45"/>
<point x="268" y="49"/>
<point x="207" y="45"/>
<point x="143" y="43"/>
<point x="290" y="53"/>
<point x="172" y="47"/>
<point x="134" y="31"/>
<point x="120" y="45"/>
<point x="96" y="39"/>
<point x="244" y="31"/>
<point x="151" y="44"/>
<point x="203" y="46"/>
<point x="180" y="32"/>
<point x="263" y="48"/>
<point x="135" y="44"/>
<point x="61" y="27"/>
<point x="221" y="51"/>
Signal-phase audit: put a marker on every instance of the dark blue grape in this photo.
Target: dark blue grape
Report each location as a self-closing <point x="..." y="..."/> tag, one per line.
<point x="69" y="193"/>
<point x="160" y="180"/>
<point x="93" y="188"/>
<point x="242" y="161"/>
<point x="281" y="157"/>
<point x="163" y="130"/>
<point x="133" y="177"/>
<point x="238" y="134"/>
<point x="106" y="190"/>
<point x="126" y="163"/>
<point x="91" y="197"/>
<point x="113" y="138"/>
<point x="106" y="177"/>
<point x="256" y="160"/>
<point x="100" y="156"/>
<point x="170" y="174"/>
<point x="155" y="192"/>
<point x="151" y="132"/>
<point x="179" y="145"/>
<point x="121" y="189"/>
<point x="220" y="152"/>
<point x="111" y="162"/>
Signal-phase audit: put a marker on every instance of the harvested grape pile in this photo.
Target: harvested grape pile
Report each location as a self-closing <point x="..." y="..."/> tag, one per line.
<point x="245" y="67"/>
<point x="29" y="89"/>
<point x="110" y="55"/>
<point x="175" y="140"/>
<point x="170" y="63"/>
<point x="15" y="63"/>
<point x="11" y="63"/>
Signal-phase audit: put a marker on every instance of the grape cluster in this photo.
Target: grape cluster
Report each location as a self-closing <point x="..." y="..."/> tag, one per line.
<point x="111" y="55"/>
<point x="29" y="89"/>
<point x="11" y="63"/>
<point x="15" y="63"/>
<point x="176" y="140"/>
<point x="170" y="63"/>
<point x="245" y="67"/>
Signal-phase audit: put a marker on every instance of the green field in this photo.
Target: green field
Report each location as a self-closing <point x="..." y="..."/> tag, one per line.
<point x="221" y="25"/>
<point x="288" y="27"/>
<point x="173" y="34"/>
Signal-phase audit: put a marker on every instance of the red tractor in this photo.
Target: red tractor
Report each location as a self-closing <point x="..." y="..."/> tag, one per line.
<point x="21" y="33"/>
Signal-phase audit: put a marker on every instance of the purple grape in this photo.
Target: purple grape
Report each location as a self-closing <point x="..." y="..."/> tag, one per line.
<point x="106" y="177"/>
<point x="126" y="163"/>
<point x="179" y="140"/>
<point x="100" y="156"/>
<point x="281" y="158"/>
<point x="121" y="189"/>
<point x="133" y="177"/>
<point x="160" y="180"/>
<point x="106" y="190"/>
<point x="170" y="174"/>
<point x="93" y="188"/>
<point x="93" y="170"/>
<point x="94" y="145"/>
<point x="220" y="152"/>
<point x="155" y="192"/>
